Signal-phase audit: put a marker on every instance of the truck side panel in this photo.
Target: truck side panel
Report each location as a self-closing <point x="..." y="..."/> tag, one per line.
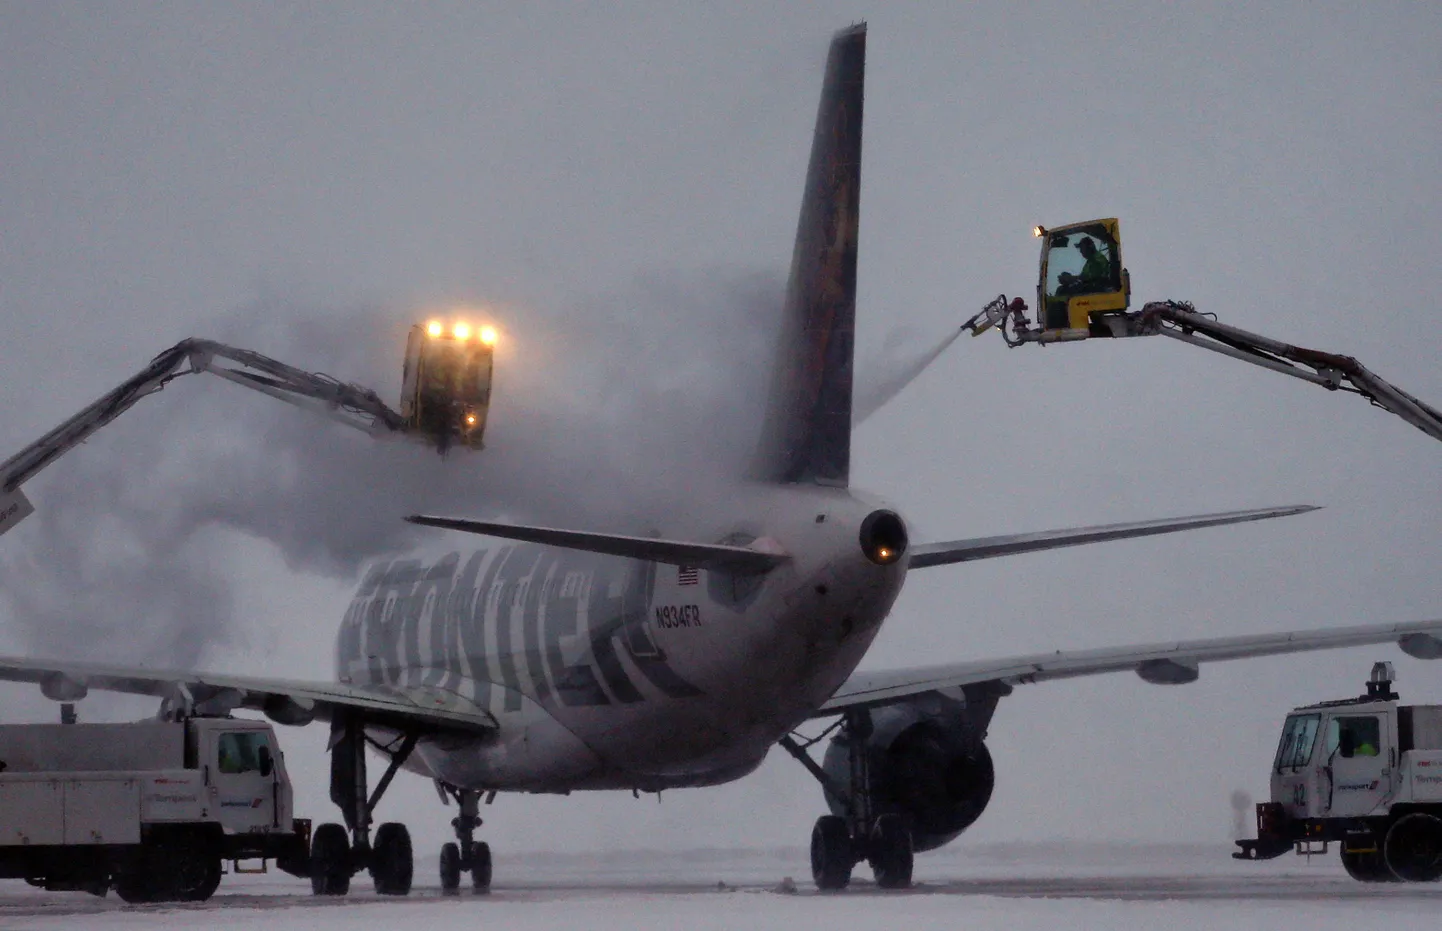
<point x="32" y="811"/>
<point x="39" y="748"/>
<point x="173" y="796"/>
<point x="1427" y="727"/>
<point x="102" y="811"/>
<point x="1421" y="776"/>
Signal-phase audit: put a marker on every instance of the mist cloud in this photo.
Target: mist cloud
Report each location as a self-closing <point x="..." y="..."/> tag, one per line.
<point x="626" y="412"/>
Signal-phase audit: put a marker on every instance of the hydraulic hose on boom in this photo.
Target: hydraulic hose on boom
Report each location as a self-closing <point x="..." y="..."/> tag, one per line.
<point x="1083" y="292"/>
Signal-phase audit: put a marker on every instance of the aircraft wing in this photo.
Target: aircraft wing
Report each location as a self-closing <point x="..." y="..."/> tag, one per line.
<point x="941" y="554"/>
<point x="286" y="701"/>
<point x="1170" y="663"/>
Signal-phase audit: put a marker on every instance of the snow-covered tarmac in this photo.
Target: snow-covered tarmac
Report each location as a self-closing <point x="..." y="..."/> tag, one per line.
<point x="1032" y="886"/>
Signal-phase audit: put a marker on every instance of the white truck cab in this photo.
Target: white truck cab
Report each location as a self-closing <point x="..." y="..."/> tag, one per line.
<point x="1364" y="772"/>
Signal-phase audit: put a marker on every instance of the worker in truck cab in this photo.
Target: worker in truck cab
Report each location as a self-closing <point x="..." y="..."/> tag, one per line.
<point x="1095" y="273"/>
<point x="1353" y="737"/>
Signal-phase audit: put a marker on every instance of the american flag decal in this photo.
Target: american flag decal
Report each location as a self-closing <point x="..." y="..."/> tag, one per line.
<point x="687" y="575"/>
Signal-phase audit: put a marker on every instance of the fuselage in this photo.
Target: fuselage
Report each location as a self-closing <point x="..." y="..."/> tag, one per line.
<point x="618" y="673"/>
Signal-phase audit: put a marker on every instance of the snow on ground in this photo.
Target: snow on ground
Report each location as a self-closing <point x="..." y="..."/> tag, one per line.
<point x="1021" y="887"/>
<point x="761" y="911"/>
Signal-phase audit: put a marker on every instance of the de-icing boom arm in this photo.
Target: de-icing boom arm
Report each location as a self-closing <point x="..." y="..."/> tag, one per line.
<point x="351" y="405"/>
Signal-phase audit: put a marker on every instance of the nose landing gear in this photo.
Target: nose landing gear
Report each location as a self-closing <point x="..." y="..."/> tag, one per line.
<point x="467" y="855"/>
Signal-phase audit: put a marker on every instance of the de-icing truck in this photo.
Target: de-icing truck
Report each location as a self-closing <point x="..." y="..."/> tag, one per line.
<point x="1365" y="773"/>
<point x="151" y="809"/>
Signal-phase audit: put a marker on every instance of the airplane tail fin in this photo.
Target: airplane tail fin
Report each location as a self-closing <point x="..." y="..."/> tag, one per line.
<point x="807" y="436"/>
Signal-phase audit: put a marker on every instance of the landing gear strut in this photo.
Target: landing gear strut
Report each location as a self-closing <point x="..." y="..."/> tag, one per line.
<point x="467" y="855"/>
<point x="839" y="842"/>
<point x="334" y="857"/>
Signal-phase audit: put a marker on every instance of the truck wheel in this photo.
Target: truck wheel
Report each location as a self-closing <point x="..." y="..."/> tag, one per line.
<point x="133" y="886"/>
<point x="194" y="873"/>
<point x="481" y="868"/>
<point x="831" y="857"/>
<point x="330" y="861"/>
<point x="1366" y="867"/>
<point x="1413" y="848"/>
<point x="450" y="869"/>
<point x="891" y="856"/>
<point x="392" y="866"/>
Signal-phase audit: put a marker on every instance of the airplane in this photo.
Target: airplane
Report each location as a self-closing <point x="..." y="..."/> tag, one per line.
<point x="544" y="659"/>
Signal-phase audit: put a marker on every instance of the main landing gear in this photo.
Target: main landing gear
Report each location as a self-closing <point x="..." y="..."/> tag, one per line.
<point x="840" y="841"/>
<point x="467" y="855"/>
<point x="337" y="853"/>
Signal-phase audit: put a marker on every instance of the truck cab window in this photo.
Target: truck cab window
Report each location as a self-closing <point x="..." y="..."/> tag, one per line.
<point x="1078" y="263"/>
<point x="1299" y="734"/>
<point x="239" y="752"/>
<point x="1354" y="736"/>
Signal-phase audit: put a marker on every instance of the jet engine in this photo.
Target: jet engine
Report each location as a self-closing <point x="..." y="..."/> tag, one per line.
<point x="924" y="760"/>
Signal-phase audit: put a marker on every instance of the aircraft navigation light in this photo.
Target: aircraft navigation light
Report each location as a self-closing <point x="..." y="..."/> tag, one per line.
<point x="434" y="328"/>
<point x="462" y="331"/>
<point x="488" y="335"/>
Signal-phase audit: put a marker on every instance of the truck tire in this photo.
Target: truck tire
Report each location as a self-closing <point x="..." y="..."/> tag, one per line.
<point x="330" y="861"/>
<point x="392" y="866"/>
<point x="1413" y="848"/>
<point x="191" y="871"/>
<point x="1367" y="867"/>
<point x="178" y="866"/>
<point x="133" y="886"/>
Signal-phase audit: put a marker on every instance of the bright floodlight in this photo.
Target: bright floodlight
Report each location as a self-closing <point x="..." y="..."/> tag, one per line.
<point x="488" y="335"/>
<point x="462" y="331"/>
<point x="1038" y="232"/>
<point x="434" y="328"/>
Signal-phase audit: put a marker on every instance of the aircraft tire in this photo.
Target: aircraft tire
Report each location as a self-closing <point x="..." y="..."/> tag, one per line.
<point x="1412" y="850"/>
<point x="891" y="855"/>
<point x="392" y="865"/>
<point x="481" y="868"/>
<point x="831" y="853"/>
<point x="330" y="861"/>
<point x="450" y="869"/>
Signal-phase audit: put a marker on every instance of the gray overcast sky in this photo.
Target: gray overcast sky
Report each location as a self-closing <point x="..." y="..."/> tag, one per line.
<point x="173" y="170"/>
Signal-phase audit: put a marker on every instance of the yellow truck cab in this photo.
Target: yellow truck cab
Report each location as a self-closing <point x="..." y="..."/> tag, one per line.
<point x="1082" y="279"/>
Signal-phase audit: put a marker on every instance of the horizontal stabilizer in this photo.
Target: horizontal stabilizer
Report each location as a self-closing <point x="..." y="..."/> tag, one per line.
<point x="940" y="554"/>
<point x="718" y="556"/>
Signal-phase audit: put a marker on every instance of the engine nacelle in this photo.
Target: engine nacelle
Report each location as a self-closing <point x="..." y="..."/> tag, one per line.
<point x="926" y="762"/>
